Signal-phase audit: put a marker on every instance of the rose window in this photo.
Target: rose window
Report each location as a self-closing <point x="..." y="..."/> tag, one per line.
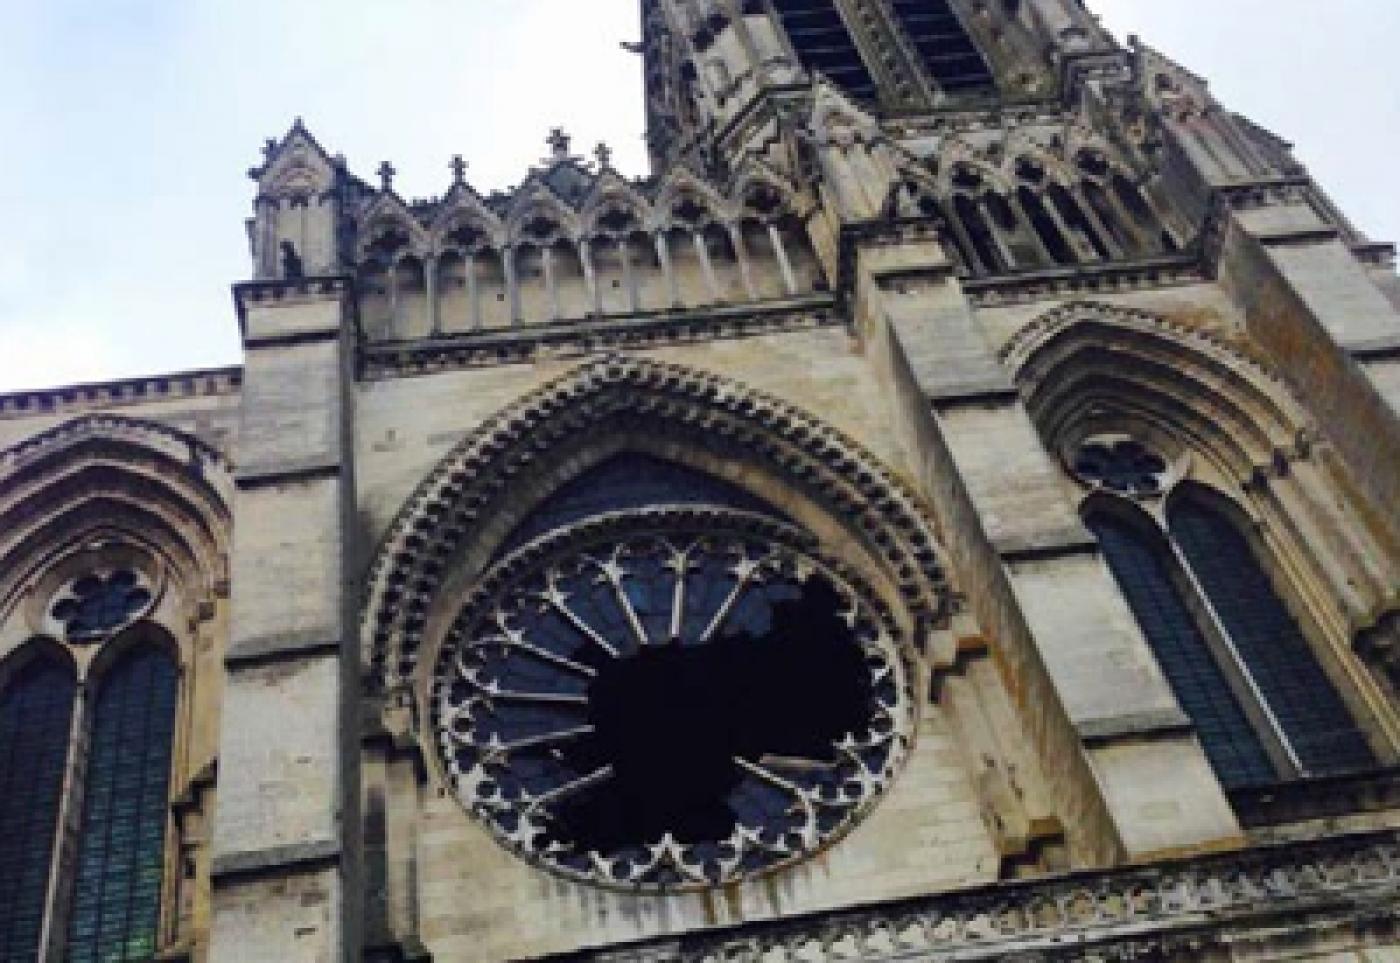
<point x="669" y="698"/>
<point x="96" y="604"/>
<point x="1124" y="466"/>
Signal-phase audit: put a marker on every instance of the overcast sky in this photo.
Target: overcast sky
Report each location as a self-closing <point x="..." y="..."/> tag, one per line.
<point x="129" y="125"/>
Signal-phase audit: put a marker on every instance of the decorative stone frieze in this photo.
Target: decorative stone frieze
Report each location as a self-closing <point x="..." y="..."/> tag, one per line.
<point x="1174" y="910"/>
<point x="541" y="342"/>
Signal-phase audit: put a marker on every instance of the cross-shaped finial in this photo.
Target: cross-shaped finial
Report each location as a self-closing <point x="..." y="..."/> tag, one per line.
<point x="459" y="169"/>
<point x="604" y="154"/>
<point x="558" y="143"/>
<point x="386" y="174"/>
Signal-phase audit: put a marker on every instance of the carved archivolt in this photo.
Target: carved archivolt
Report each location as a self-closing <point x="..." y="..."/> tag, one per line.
<point x="1084" y="362"/>
<point x="108" y="479"/>
<point x="447" y="514"/>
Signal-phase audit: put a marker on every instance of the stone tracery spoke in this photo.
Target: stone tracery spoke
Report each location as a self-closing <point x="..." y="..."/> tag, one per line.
<point x="674" y="676"/>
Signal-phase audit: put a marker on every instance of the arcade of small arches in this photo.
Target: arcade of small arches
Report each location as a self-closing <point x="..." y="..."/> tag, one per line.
<point x="552" y="256"/>
<point x="1039" y="212"/>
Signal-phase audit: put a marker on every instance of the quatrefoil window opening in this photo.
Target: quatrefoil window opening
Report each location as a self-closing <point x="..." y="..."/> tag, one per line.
<point x="95" y="604"/>
<point x="671" y="710"/>
<point x="1122" y="465"/>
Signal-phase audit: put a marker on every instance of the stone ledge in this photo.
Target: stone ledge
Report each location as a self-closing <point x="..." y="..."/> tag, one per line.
<point x="995" y="391"/>
<point x="1300" y="237"/>
<point x="283" y="647"/>
<point x="311" y="469"/>
<point x="1069" y="541"/>
<point x="1172" y="909"/>
<point x="1376" y="349"/>
<point x="1324" y="797"/>
<point x="263" y="342"/>
<point x="527" y="343"/>
<point x="288" y="859"/>
<point x="96" y="396"/>
<point x="299" y="289"/>
<point x="1151" y="723"/>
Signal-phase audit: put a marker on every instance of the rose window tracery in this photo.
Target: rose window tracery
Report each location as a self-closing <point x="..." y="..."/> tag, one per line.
<point x="668" y="698"/>
<point x="1122" y="465"/>
<point x="95" y="604"/>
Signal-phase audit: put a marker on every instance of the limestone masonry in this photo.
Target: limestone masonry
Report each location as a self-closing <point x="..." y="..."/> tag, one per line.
<point x="947" y="510"/>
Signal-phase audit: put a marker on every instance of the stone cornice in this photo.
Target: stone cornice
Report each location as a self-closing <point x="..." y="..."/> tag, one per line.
<point x="96" y="396"/>
<point x="1178" y="905"/>
<point x="529" y="343"/>
<point x="1114" y="277"/>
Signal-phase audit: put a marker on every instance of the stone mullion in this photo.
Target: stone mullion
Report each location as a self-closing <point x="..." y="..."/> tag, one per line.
<point x="58" y="897"/>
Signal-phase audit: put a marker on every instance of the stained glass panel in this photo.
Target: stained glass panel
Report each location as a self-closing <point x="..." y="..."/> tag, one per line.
<point x="627" y="481"/>
<point x="36" y="711"/>
<point x="116" y="899"/>
<point x="1313" y="717"/>
<point x="1143" y="573"/>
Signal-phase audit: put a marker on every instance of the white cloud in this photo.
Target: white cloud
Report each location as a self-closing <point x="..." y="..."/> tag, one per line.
<point x="125" y="197"/>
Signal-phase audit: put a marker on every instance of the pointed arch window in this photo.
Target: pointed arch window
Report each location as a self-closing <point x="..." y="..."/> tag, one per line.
<point x="1235" y="657"/>
<point x="1142" y="565"/>
<point x="121" y="849"/>
<point x="95" y="893"/>
<point x="1318" y="729"/>
<point x="947" y="52"/>
<point x="824" y="44"/>
<point x="36" y="710"/>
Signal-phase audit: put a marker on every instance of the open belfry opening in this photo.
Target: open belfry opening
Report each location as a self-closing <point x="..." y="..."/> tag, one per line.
<point x="945" y="509"/>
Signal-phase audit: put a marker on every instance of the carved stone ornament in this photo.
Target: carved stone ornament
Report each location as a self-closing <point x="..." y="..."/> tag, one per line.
<point x="671" y="698"/>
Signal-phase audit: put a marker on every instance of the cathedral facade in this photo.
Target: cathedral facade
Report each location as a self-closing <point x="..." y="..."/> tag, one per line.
<point x="947" y="510"/>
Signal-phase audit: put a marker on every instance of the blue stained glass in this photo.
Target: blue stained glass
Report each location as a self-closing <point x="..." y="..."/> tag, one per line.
<point x="36" y="711"/>
<point x="1142" y="570"/>
<point x="631" y="481"/>
<point x="117" y="892"/>
<point x="1311" y="713"/>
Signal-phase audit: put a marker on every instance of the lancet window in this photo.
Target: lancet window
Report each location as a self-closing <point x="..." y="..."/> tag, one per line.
<point x="36" y="709"/>
<point x="86" y="737"/>
<point x="1234" y="654"/>
<point x="947" y="53"/>
<point x="824" y="44"/>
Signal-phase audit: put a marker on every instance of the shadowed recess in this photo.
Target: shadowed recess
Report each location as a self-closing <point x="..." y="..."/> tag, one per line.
<point x="672" y="720"/>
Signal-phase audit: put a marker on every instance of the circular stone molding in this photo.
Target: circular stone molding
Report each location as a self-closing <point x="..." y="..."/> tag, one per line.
<point x="672" y="698"/>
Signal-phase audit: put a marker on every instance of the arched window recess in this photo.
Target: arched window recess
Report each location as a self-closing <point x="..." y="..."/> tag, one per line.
<point x="88" y="747"/>
<point x="1198" y="584"/>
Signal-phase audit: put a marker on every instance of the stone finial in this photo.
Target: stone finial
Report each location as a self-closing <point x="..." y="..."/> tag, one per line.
<point x="386" y="174"/>
<point x="269" y="147"/>
<point x="558" y="142"/>
<point x="459" y="170"/>
<point x="604" y="155"/>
